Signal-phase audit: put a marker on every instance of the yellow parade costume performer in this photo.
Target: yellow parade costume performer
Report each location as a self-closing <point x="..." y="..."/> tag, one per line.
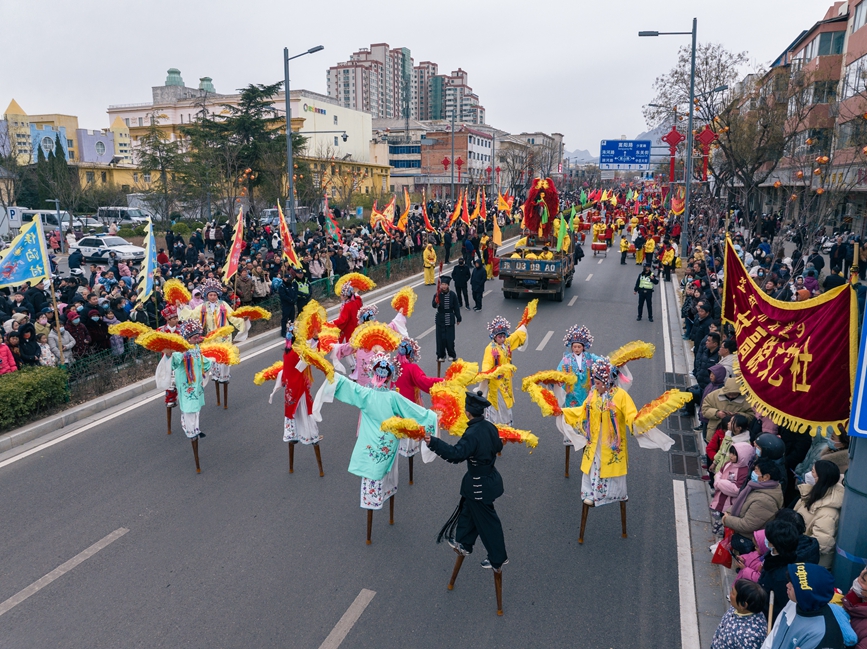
<point x="430" y="261"/>
<point x="649" y="247"/>
<point x="497" y="369"/>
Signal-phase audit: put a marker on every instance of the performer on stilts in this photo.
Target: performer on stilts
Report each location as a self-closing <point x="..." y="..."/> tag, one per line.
<point x="497" y="369"/>
<point x="164" y="376"/>
<point x="190" y="369"/>
<point x="411" y="383"/>
<point x="214" y="314"/>
<point x="373" y="458"/>
<point x="448" y="316"/>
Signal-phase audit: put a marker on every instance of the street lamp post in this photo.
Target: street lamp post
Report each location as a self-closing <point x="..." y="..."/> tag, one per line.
<point x="453" y="156"/>
<point x="290" y="197"/>
<point x="687" y="177"/>
<point x="59" y="222"/>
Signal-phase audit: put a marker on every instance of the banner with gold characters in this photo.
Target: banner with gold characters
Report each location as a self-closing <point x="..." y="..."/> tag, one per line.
<point x="797" y="359"/>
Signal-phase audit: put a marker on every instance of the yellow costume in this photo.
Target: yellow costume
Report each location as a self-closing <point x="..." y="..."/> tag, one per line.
<point x="668" y="257"/>
<point x="614" y="454"/>
<point x="546" y="255"/>
<point x="213" y="315"/>
<point x="624" y="244"/>
<point x="649" y="246"/>
<point x="639" y="255"/>
<point x="430" y="259"/>
<point x="500" y="391"/>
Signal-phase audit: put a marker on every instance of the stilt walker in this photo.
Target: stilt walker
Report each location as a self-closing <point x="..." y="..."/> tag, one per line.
<point x="164" y="375"/>
<point x="190" y="369"/>
<point x="411" y="383"/>
<point x="577" y="361"/>
<point x="215" y="317"/>
<point x="375" y="452"/>
<point x="295" y="378"/>
<point x="448" y="316"/>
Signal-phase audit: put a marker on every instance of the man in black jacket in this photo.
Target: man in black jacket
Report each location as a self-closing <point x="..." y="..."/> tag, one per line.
<point x="288" y="293"/>
<point x="447" y="246"/>
<point x="644" y="289"/>
<point x="481" y="485"/>
<point x="461" y="277"/>
<point x="477" y="281"/>
<point x="447" y="317"/>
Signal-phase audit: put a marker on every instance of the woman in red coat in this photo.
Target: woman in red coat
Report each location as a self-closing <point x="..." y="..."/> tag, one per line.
<point x="347" y="321"/>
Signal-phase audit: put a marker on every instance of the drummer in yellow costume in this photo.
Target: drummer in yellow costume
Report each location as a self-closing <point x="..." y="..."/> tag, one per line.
<point x="213" y="314"/>
<point x="605" y="420"/>
<point x="430" y="260"/>
<point x="497" y="354"/>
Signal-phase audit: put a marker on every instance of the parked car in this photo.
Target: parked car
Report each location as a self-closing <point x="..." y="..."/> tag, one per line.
<point x="96" y="248"/>
<point x="125" y="217"/>
<point x="89" y="223"/>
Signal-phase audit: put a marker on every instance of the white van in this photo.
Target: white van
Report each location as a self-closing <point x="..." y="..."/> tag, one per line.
<point x="49" y="219"/>
<point x="123" y="216"/>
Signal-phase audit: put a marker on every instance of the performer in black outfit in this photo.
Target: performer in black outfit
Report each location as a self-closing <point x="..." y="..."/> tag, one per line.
<point x="481" y="486"/>
<point x="448" y="315"/>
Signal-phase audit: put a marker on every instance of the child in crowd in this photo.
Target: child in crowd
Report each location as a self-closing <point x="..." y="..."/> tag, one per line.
<point x="45" y="355"/>
<point x="728" y="482"/>
<point x="744" y="625"/>
<point x="7" y="361"/>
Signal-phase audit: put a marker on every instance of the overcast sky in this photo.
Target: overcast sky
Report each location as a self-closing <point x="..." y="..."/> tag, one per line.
<point x="567" y="66"/>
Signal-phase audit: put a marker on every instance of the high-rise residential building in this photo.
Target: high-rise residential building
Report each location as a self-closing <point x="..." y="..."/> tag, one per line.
<point x="385" y="82"/>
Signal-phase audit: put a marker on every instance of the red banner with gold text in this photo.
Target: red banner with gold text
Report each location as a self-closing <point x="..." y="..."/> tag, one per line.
<point x="797" y="359"/>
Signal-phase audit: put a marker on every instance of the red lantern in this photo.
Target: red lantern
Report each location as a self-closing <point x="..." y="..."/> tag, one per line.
<point x="459" y="163"/>
<point x="445" y="163"/>
<point x="800" y="174"/>
<point x="820" y="191"/>
<point x="778" y="184"/>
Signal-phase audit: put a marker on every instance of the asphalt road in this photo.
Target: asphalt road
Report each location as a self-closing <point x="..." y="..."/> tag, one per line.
<point x="247" y="555"/>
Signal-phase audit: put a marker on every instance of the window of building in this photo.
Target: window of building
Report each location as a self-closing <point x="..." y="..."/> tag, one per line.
<point x="47" y="145"/>
<point x="855" y="79"/>
<point x="135" y="176"/>
<point x="182" y="118"/>
<point x="824" y="92"/>
<point x="140" y="121"/>
<point x="405" y="164"/>
<point x="69" y="144"/>
<point x="335" y="120"/>
<point x="335" y="141"/>
<point x="103" y="177"/>
<point x="146" y="178"/>
<point x="860" y="16"/>
<point x="823" y="45"/>
<point x="404" y="150"/>
<point x="89" y="176"/>
<point x="99" y="147"/>
<point x="71" y="154"/>
<point x="126" y="121"/>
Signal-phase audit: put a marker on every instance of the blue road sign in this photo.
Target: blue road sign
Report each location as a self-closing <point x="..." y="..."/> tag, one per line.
<point x="624" y="154"/>
<point x="858" y="416"/>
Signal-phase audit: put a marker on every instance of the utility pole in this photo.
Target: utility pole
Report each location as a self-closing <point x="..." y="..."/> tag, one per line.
<point x="453" y="157"/>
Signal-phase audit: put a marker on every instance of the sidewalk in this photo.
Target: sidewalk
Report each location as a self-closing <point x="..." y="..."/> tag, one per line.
<point x="711" y="582"/>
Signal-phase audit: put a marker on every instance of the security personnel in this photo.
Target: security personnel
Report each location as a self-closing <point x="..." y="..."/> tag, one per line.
<point x="447" y="317"/>
<point x="481" y="486"/>
<point x="644" y="289"/>
<point x="303" y="287"/>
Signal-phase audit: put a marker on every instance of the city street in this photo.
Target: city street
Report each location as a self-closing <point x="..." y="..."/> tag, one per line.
<point x="247" y="555"/>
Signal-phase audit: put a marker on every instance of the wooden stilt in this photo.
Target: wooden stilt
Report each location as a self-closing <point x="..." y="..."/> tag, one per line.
<point x="292" y="457"/>
<point x="458" y="563"/>
<point x="568" y="448"/>
<point x="584" y="510"/>
<point x="391" y="511"/>
<point x="410" y="468"/>
<point x="318" y="460"/>
<point x="369" y="524"/>
<point x="195" y="443"/>
<point x="168" y="421"/>
<point x="225" y="396"/>
<point x="498" y="587"/>
<point x="623" y="517"/>
<point x="217" y="386"/>
<point x="439" y="368"/>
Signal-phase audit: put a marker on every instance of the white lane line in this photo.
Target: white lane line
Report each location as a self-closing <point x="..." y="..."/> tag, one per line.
<point x="487" y="293"/>
<point x="572" y="301"/>
<point x="685" y="579"/>
<point x="344" y="624"/>
<point x="61" y="570"/>
<point x="544" y="342"/>
<point x="425" y="333"/>
<point x="601" y="260"/>
<point x="666" y="333"/>
<point x="588" y="277"/>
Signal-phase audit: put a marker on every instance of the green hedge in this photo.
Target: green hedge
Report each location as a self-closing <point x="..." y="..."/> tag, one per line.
<point x="126" y="233"/>
<point x="182" y="229"/>
<point x="30" y="391"/>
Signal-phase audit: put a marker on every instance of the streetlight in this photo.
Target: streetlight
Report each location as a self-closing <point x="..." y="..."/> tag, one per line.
<point x="684" y="237"/>
<point x="290" y="198"/>
<point x="59" y="222"/>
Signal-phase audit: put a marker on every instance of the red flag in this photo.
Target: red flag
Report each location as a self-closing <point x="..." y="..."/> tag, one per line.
<point x="457" y="213"/>
<point x="286" y="239"/>
<point x="234" y="257"/>
<point x="483" y="210"/>
<point x="427" y="224"/>
<point x="465" y="216"/>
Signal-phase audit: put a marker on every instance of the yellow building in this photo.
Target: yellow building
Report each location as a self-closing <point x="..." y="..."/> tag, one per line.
<point x="345" y="179"/>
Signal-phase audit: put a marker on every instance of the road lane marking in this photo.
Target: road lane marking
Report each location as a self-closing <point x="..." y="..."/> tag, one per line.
<point x="685" y="579"/>
<point x="425" y="333"/>
<point x="487" y="293"/>
<point x="544" y="342"/>
<point x="588" y="277"/>
<point x="61" y="570"/>
<point x="344" y="624"/>
<point x="601" y="260"/>
<point x="572" y="301"/>
<point x="666" y="332"/>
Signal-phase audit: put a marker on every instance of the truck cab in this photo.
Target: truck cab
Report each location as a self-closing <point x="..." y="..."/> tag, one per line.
<point x="526" y="272"/>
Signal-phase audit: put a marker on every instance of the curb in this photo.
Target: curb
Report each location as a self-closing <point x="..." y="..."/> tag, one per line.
<point x="55" y="423"/>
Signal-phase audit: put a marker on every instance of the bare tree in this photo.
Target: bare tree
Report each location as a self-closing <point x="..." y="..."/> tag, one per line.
<point x="13" y="169"/>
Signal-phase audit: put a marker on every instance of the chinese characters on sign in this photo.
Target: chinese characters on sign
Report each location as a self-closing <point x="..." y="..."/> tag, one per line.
<point x="25" y="259"/>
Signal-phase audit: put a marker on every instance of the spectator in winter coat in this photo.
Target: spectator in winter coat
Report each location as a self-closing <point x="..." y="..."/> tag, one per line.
<point x="728" y="400"/>
<point x="7" y="362"/>
<point x="29" y="346"/>
<point x="757" y="502"/>
<point x="68" y="342"/>
<point x="855" y="604"/>
<point x="477" y="283"/>
<point x="13" y="342"/>
<point x="781" y="538"/>
<point x="461" y="277"/>
<point x="98" y="330"/>
<point x="729" y="481"/>
<point x="245" y="287"/>
<point x="744" y="625"/>
<point x="819" y="504"/>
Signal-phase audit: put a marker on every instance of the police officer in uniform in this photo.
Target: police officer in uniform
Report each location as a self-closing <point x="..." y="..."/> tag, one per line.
<point x="481" y="486"/>
<point x="448" y="316"/>
<point x="303" y="288"/>
<point x="644" y="289"/>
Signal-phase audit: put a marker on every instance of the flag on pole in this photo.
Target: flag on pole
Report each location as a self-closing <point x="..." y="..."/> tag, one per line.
<point x="572" y="220"/>
<point x="375" y="216"/>
<point x="149" y="265"/>
<point x="583" y="198"/>
<point x="561" y="234"/>
<point x="498" y="235"/>
<point x="234" y="257"/>
<point x="428" y="226"/>
<point x="26" y="259"/>
<point x="504" y="203"/>
<point x="287" y="241"/>
<point x="388" y="213"/>
<point x="465" y="217"/>
<point x="404" y="217"/>
<point x="331" y="225"/>
<point x="483" y="208"/>
<point x="476" y="206"/>
<point x="457" y="212"/>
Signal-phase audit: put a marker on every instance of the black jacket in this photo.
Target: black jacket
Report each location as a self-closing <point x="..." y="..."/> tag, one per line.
<point x="29" y="348"/>
<point x="774" y="577"/>
<point x="461" y="275"/>
<point x="479" y="277"/>
<point x="478" y="447"/>
<point x="288" y="293"/>
<point x="448" y="311"/>
<point x="704" y="360"/>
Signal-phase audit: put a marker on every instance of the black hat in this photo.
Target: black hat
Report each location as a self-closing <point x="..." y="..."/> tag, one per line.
<point x="446" y="279"/>
<point x="476" y="403"/>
